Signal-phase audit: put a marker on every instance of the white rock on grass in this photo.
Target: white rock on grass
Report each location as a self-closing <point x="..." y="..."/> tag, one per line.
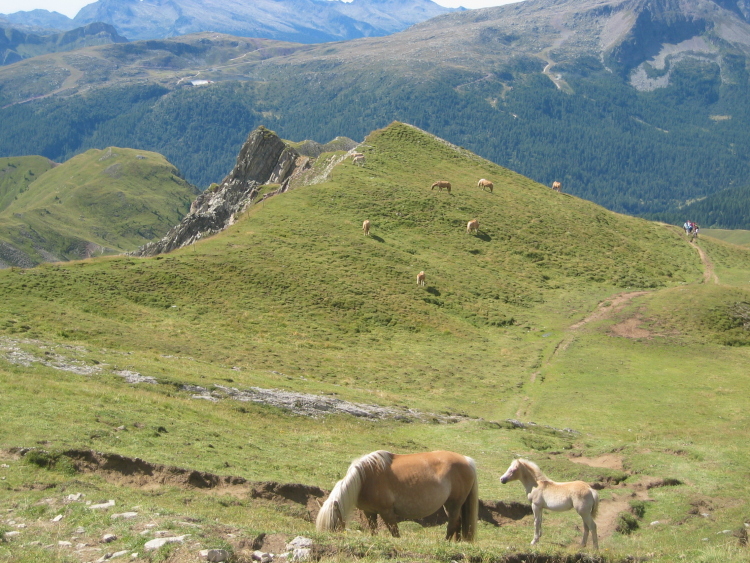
<point x="217" y="555"/>
<point x="158" y="542"/>
<point x="75" y="496"/>
<point x="124" y="515"/>
<point x="107" y="538"/>
<point x="11" y="534"/>
<point x="302" y="554"/>
<point x="102" y="506"/>
<point x="57" y="518"/>
<point x="299" y="542"/>
<point x="119" y="553"/>
<point x="65" y="544"/>
<point x="262" y="556"/>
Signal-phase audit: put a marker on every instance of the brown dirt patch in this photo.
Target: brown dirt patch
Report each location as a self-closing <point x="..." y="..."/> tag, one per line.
<point x="709" y="275"/>
<point x="607" y="461"/>
<point x="630" y="329"/>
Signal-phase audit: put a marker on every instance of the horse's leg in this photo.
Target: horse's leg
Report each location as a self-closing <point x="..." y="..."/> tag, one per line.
<point x="372" y="521"/>
<point x="453" y="511"/>
<point x="391" y="521"/>
<point x="537" y="510"/>
<point x="590" y="525"/>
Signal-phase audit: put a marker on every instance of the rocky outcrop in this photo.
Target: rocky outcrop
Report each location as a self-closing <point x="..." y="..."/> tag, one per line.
<point x="263" y="159"/>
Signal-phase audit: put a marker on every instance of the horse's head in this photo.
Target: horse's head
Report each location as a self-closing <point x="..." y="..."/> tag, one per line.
<point x="511" y="473"/>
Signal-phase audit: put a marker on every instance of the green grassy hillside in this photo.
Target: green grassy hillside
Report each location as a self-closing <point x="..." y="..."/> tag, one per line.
<point x="294" y="297"/>
<point x="16" y="173"/>
<point x="98" y="202"/>
<point x="735" y="236"/>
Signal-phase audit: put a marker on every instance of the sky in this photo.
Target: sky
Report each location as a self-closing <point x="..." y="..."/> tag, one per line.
<point x="70" y="7"/>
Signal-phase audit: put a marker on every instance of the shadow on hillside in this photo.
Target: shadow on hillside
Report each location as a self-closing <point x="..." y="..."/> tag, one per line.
<point x="377" y="238"/>
<point x="433" y="291"/>
<point x="483" y="236"/>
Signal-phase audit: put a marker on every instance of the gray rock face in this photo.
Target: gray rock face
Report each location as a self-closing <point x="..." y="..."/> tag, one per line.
<point x="264" y="158"/>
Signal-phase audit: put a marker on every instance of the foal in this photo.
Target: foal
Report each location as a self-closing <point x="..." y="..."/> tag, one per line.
<point x="544" y="493"/>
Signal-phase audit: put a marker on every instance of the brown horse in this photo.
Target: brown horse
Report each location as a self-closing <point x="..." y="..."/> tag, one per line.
<point x="544" y="493"/>
<point x="366" y="227"/>
<point x="485" y="184"/>
<point x="557" y="186"/>
<point x="473" y="226"/>
<point x="442" y="184"/>
<point x="420" y="278"/>
<point x="406" y="487"/>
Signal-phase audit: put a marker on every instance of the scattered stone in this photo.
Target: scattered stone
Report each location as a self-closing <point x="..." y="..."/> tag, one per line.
<point x="655" y="523"/>
<point x="102" y="506"/>
<point x="35" y="543"/>
<point x="80" y="546"/>
<point x="65" y="544"/>
<point x="119" y="553"/>
<point x="120" y="428"/>
<point x="299" y="542"/>
<point x="5" y="466"/>
<point x="725" y="532"/>
<point x="217" y="555"/>
<point x="302" y="554"/>
<point x="163" y="533"/>
<point x="705" y="515"/>
<point x="75" y="496"/>
<point x="262" y="556"/>
<point x="57" y="518"/>
<point x="80" y="530"/>
<point x="135" y="377"/>
<point x="158" y="542"/>
<point x="108" y="538"/>
<point x="124" y="515"/>
<point x="20" y="526"/>
<point x="134" y="555"/>
<point x="11" y="534"/>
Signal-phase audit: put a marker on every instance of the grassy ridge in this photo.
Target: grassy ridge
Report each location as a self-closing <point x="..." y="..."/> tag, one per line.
<point x="17" y="173"/>
<point x="103" y="201"/>
<point x="293" y="296"/>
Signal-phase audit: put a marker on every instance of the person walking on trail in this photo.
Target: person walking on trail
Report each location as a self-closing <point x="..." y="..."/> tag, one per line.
<point x="686" y="226"/>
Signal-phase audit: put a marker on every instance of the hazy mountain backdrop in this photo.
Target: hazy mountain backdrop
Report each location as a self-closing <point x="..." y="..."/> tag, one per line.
<point x="304" y="21"/>
<point x="640" y="105"/>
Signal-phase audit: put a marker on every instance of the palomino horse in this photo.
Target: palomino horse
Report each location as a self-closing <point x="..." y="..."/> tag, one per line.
<point x="557" y="186"/>
<point x="420" y="278"/>
<point x="406" y="487"/>
<point x="442" y="184"/>
<point x="485" y="184"/>
<point x="366" y="227"/>
<point x="557" y="497"/>
<point x="473" y="226"/>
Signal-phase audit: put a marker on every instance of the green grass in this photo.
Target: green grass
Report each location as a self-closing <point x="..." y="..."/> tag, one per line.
<point x="293" y="296"/>
<point x="97" y="202"/>
<point x="735" y="236"/>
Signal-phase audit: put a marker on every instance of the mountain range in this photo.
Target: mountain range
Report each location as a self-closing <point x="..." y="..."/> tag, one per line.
<point x="16" y="45"/>
<point x="303" y="21"/>
<point x="639" y="105"/>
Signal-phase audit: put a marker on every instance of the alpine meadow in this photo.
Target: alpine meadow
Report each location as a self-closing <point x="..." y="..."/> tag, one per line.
<point x="263" y="359"/>
<point x="315" y="281"/>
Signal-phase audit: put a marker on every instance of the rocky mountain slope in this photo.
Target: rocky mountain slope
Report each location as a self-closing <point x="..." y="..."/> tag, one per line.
<point x="638" y="105"/>
<point x="100" y="202"/>
<point x="16" y="45"/>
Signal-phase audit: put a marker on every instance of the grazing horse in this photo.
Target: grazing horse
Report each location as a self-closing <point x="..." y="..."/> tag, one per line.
<point x="485" y="184"/>
<point x="557" y="497"/>
<point x="420" y="278"/>
<point x="359" y="159"/>
<point x="442" y="184"/>
<point x="557" y="186"/>
<point x="366" y="227"/>
<point x="406" y="487"/>
<point x="473" y="226"/>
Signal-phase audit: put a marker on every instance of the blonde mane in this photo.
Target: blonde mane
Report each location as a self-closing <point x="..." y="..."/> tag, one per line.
<point x="534" y="469"/>
<point x="343" y="498"/>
